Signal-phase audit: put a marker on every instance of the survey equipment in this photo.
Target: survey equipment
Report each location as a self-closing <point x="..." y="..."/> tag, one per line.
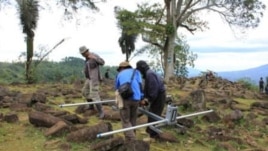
<point x="86" y="103"/>
<point x="170" y="118"/>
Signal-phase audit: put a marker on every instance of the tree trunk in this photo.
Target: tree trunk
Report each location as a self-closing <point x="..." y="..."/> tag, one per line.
<point x="170" y="43"/>
<point x="29" y="74"/>
<point x="169" y="57"/>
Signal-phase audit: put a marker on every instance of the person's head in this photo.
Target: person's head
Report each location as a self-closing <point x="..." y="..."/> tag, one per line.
<point x="84" y="51"/>
<point x="142" y="66"/>
<point x="123" y="65"/>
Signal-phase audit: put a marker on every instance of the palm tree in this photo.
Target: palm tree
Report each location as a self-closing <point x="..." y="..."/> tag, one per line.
<point x="29" y="15"/>
<point x="127" y="44"/>
<point x="128" y="36"/>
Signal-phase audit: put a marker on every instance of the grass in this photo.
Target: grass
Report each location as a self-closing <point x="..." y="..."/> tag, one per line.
<point x="20" y="136"/>
<point x="23" y="136"/>
<point x="244" y="103"/>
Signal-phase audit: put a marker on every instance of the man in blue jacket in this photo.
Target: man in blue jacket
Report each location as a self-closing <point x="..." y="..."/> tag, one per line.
<point x="154" y="92"/>
<point x="128" y="112"/>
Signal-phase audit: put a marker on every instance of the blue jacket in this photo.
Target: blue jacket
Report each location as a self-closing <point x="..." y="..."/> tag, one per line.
<point x="125" y="76"/>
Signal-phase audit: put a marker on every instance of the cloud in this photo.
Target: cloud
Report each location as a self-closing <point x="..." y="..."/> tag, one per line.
<point x="238" y="49"/>
<point x="218" y="48"/>
<point x="230" y="61"/>
<point x="223" y="49"/>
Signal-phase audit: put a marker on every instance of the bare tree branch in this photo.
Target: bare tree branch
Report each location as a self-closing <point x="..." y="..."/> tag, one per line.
<point x="45" y="55"/>
<point x="152" y="43"/>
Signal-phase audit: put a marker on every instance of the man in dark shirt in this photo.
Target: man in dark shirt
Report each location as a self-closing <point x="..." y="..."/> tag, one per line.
<point x="107" y="76"/>
<point x="154" y="91"/>
<point x="261" y="85"/>
<point x="266" y="89"/>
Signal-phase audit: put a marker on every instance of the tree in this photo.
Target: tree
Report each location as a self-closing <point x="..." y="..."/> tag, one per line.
<point x="29" y="15"/>
<point x="183" y="57"/>
<point x="127" y="44"/>
<point x="159" y="22"/>
<point x="128" y="38"/>
<point x="28" y="10"/>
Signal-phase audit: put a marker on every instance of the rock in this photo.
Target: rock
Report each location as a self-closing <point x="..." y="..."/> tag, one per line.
<point x="135" y="145"/>
<point x="167" y="137"/>
<point x="108" y="144"/>
<point x="198" y="100"/>
<point x="11" y="118"/>
<point x="186" y="122"/>
<point x="42" y="119"/>
<point x="60" y="126"/>
<point x="89" y="133"/>
<point x="73" y="118"/>
<point x="211" y="117"/>
<point x="236" y="115"/>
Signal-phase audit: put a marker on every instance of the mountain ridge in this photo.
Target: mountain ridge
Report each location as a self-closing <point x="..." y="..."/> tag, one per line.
<point x="253" y="74"/>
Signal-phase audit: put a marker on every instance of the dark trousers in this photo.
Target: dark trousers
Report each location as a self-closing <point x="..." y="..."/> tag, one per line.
<point x="156" y="107"/>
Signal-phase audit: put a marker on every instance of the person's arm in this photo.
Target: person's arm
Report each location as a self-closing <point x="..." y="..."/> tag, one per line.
<point x="152" y="86"/>
<point x="97" y="58"/>
<point x="116" y="83"/>
<point x="86" y="70"/>
<point x="139" y="79"/>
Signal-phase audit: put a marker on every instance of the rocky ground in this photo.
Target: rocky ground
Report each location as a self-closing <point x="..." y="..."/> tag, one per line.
<point x="238" y="122"/>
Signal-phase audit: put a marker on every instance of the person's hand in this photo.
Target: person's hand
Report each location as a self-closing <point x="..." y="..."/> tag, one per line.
<point x="91" y="56"/>
<point x="144" y="102"/>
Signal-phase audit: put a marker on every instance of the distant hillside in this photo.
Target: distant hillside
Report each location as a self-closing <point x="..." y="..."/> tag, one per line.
<point x="67" y="70"/>
<point x="70" y="69"/>
<point x="193" y="72"/>
<point x="253" y="74"/>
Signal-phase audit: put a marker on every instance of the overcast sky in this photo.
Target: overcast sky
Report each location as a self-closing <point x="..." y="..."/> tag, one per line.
<point x="218" y="48"/>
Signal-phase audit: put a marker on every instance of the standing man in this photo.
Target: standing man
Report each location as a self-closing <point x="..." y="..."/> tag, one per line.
<point x="128" y="112"/>
<point x="107" y="75"/>
<point x="266" y="89"/>
<point x="261" y="85"/>
<point x="154" y="92"/>
<point x="93" y="77"/>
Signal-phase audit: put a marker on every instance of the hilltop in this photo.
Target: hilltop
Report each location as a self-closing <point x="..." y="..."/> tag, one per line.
<point x="230" y="127"/>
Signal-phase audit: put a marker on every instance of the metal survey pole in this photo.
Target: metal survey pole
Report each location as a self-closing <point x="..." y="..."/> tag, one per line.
<point x="152" y="123"/>
<point x="130" y="128"/>
<point x="152" y="115"/>
<point x="86" y="103"/>
<point x="194" y="114"/>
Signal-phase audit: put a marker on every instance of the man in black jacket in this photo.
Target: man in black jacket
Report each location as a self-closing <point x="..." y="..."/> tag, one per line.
<point x="154" y="92"/>
<point x="261" y="85"/>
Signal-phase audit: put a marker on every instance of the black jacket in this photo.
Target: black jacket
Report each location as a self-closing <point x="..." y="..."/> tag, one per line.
<point x="153" y="82"/>
<point x="153" y="86"/>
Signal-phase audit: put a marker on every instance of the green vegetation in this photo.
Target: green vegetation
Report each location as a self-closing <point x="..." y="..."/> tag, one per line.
<point x="21" y="136"/>
<point x="25" y="136"/>
<point x="67" y="70"/>
<point x="28" y="12"/>
<point x="248" y="84"/>
<point x="159" y="24"/>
